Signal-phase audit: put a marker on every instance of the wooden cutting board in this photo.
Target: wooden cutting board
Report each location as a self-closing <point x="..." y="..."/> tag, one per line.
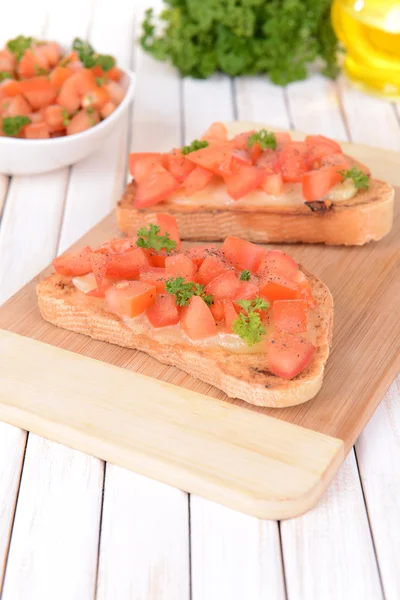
<point x="270" y="463"/>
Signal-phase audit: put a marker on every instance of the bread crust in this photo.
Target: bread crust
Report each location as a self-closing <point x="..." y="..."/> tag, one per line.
<point x="241" y="376"/>
<point x="366" y="217"/>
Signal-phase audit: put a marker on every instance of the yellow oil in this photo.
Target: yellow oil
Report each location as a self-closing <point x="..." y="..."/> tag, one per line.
<point x="370" y="33"/>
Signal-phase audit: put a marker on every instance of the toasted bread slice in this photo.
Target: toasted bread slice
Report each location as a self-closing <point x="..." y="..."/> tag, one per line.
<point x="211" y="215"/>
<point x="242" y="376"/>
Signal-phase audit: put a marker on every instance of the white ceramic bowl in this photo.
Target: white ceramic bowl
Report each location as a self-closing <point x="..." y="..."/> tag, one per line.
<point x="30" y="157"/>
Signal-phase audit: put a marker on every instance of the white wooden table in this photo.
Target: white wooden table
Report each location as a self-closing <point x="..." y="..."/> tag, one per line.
<point x="74" y="528"/>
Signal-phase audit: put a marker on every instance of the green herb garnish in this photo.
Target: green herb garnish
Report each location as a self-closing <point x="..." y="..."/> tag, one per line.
<point x="248" y="325"/>
<point x="90" y="58"/>
<point x="100" y="81"/>
<point x="183" y="291"/>
<point x="12" y="125"/>
<point x="18" y="45"/>
<point x="245" y="275"/>
<point x="151" y="238"/>
<point x="65" y="117"/>
<point x="5" y="75"/>
<point x="361" y="179"/>
<point x="265" y="139"/>
<point x="39" y="70"/>
<point x="195" y="145"/>
<point x="243" y="37"/>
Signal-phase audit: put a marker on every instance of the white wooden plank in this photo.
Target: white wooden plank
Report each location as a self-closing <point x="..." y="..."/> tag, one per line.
<point x="206" y="101"/>
<point x="144" y="549"/>
<point x="12" y="444"/>
<point x="145" y="526"/>
<point x="259" y="100"/>
<point x="233" y="555"/>
<point x="378" y="455"/>
<point x="370" y="120"/>
<point x="4" y="182"/>
<point x="328" y="552"/>
<point x="58" y="509"/>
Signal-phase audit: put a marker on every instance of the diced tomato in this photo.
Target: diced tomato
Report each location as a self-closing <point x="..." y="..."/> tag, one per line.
<point x="58" y="76"/>
<point x="240" y="141"/>
<point x="115" y="91"/>
<point x="82" y="121"/>
<point x="168" y="224"/>
<point x="17" y="106"/>
<point x="157" y="258"/>
<point x="68" y="96"/>
<point x="73" y="263"/>
<point x="38" y="91"/>
<point x="130" y="298"/>
<point x="99" y="262"/>
<point x="216" y="131"/>
<point x="293" y="161"/>
<point x="156" y="276"/>
<point x="305" y="289"/>
<point x="99" y="292"/>
<point x="36" y="131"/>
<point x="38" y="117"/>
<point x="197" y="320"/>
<point x="141" y="163"/>
<point x="315" y="140"/>
<point x="211" y="267"/>
<point x="243" y="254"/>
<point x="54" y="117"/>
<point x="51" y="51"/>
<point x="223" y="286"/>
<point x="96" y="97"/>
<point x="316" y="184"/>
<point x="269" y="160"/>
<point x="279" y="287"/>
<point x="255" y="152"/>
<point x="241" y="157"/>
<point x="157" y="186"/>
<point x="7" y="61"/>
<point x="197" y="180"/>
<point x="180" y="265"/>
<point x="128" y="265"/>
<point x="10" y="87"/>
<point x="84" y="81"/>
<point x="212" y="156"/>
<point x="164" y="311"/>
<point x="32" y="61"/>
<point x="230" y="313"/>
<point x="242" y="180"/>
<point x="107" y="109"/>
<point x="288" y="355"/>
<point x="114" y="74"/>
<point x="178" y="165"/>
<point x="199" y="253"/>
<point x="282" y="138"/>
<point x="276" y="261"/>
<point x="118" y="246"/>
<point x="217" y="309"/>
<point x="290" y="315"/>
<point x="247" y="291"/>
<point x="273" y="184"/>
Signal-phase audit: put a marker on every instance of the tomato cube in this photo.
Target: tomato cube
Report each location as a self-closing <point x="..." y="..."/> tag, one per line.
<point x="164" y="311"/>
<point x="212" y="266"/>
<point x="38" y="91"/>
<point x="157" y="185"/>
<point x="288" y="355"/>
<point x="141" y="163"/>
<point x="178" y="165"/>
<point x="128" y="265"/>
<point x="216" y="131"/>
<point x="217" y="309"/>
<point x="273" y="184"/>
<point x="242" y="254"/>
<point x="230" y="314"/>
<point x="279" y="287"/>
<point x="316" y="184"/>
<point x="156" y="276"/>
<point x="247" y="291"/>
<point x="99" y="262"/>
<point x="130" y="298"/>
<point x="276" y="261"/>
<point x="243" y="180"/>
<point x="73" y="263"/>
<point x="197" y="320"/>
<point x="180" y="265"/>
<point x="197" y="180"/>
<point x="224" y="286"/>
<point x="199" y="253"/>
<point x="290" y="315"/>
<point x="212" y="156"/>
<point x="168" y="224"/>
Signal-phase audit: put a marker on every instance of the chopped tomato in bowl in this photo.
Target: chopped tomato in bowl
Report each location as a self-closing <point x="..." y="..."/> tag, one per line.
<point x="248" y="164"/>
<point x="57" y="107"/>
<point x="241" y="298"/>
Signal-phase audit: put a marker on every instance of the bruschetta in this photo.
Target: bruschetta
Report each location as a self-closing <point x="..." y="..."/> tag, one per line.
<point x="261" y="186"/>
<point x="248" y="320"/>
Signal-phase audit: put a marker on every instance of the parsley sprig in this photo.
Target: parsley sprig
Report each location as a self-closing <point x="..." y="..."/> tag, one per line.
<point x="18" y="45"/>
<point x="183" y="291"/>
<point x="151" y="238"/>
<point x="13" y="125"/>
<point x="195" y="145"/>
<point x="248" y="325"/>
<point x="90" y="58"/>
<point x="5" y="75"/>
<point x="65" y="117"/>
<point x="265" y="139"/>
<point x="361" y="179"/>
<point x="245" y="275"/>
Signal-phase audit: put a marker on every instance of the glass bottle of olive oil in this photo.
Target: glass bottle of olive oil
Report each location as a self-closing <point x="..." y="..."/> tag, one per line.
<point x="370" y="32"/>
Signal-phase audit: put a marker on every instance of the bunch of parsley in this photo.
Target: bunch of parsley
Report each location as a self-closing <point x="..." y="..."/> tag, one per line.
<point x="243" y="37"/>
